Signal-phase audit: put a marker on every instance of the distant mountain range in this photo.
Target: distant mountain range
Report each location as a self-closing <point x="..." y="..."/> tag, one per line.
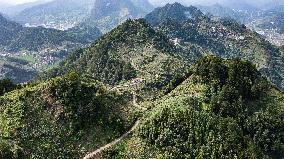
<point x="58" y="14"/>
<point x="107" y="14"/>
<point x="12" y="10"/>
<point x="64" y="14"/>
<point x="193" y="30"/>
<point x="268" y="23"/>
<point x="41" y="46"/>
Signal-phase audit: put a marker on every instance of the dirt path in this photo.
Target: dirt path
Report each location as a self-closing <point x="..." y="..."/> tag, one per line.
<point x="98" y="152"/>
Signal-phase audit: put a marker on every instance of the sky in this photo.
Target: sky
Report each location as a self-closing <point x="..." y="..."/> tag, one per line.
<point x="16" y="1"/>
<point x="163" y="2"/>
<point x="210" y="2"/>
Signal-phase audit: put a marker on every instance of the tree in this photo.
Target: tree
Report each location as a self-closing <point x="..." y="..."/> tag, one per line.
<point x="6" y="85"/>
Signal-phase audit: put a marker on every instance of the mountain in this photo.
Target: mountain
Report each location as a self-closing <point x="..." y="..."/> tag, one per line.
<point x="132" y="50"/>
<point x="39" y="46"/>
<point x="225" y="38"/>
<point x="222" y="110"/>
<point x="16" y="9"/>
<point x="4" y="5"/>
<point x="145" y="5"/>
<point x="58" y="14"/>
<point x="107" y="14"/>
<point x="267" y="22"/>
<point x="220" y="11"/>
<point x="143" y="91"/>
<point x="17" y="70"/>
<point x="16" y="38"/>
<point x="273" y="19"/>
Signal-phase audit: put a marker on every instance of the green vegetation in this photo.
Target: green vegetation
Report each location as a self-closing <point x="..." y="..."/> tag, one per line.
<point x="215" y="108"/>
<point x="131" y="50"/>
<point x="225" y="109"/>
<point x="6" y="85"/>
<point x="17" y="38"/>
<point x="62" y="118"/>
<point x="40" y="47"/>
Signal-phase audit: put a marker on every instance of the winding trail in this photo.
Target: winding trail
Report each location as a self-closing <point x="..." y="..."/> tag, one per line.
<point x="98" y="152"/>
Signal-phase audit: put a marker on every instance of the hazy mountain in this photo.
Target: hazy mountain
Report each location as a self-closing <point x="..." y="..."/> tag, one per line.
<point x="145" y="5"/>
<point x="268" y="23"/>
<point x="4" y="5"/>
<point x="13" y="10"/>
<point x="107" y="14"/>
<point x="225" y="38"/>
<point x="59" y="14"/>
<point x="41" y="47"/>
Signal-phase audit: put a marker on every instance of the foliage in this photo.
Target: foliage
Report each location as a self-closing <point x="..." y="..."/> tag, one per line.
<point x="231" y="120"/>
<point x="231" y="84"/>
<point x="53" y="119"/>
<point x="6" y="85"/>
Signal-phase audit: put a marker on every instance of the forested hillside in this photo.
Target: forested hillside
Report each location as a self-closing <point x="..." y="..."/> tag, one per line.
<point x="224" y="109"/>
<point x="15" y="38"/>
<point x="225" y="38"/>
<point x="132" y="50"/>
<point x="61" y="118"/>
<point x="175" y="85"/>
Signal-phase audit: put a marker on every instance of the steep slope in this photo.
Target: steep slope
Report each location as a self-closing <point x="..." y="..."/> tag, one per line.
<point x="107" y="14"/>
<point x="15" y="69"/>
<point x="224" y="109"/>
<point x="61" y="118"/>
<point x="58" y="14"/>
<point x="225" y="38"/>
<point x="132" y="50"/>
<point x="41" y="47"/>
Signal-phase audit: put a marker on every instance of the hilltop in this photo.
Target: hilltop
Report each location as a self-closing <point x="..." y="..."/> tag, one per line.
<point x="132" y="50"/>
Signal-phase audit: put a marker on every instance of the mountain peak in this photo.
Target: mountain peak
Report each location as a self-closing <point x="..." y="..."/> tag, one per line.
<point x="175" y="11"/>
<point x="134" y="32"/>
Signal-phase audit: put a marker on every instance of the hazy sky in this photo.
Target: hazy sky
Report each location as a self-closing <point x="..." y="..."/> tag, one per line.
<point x="208" y="2"/>
<point x="16" y="1"/>
<point x="162" y="2"/>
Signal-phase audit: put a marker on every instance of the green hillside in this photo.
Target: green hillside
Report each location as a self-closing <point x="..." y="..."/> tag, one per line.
<point x="224" y="109"/>
<point x="132" y="50"/>
<point x="16" y="38"/>
<point x="64" y="117"/>
<point x="215" y="108"/>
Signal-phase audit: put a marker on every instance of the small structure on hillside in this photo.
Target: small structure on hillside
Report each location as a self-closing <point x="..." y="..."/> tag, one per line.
<point x="136" y="81"/>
